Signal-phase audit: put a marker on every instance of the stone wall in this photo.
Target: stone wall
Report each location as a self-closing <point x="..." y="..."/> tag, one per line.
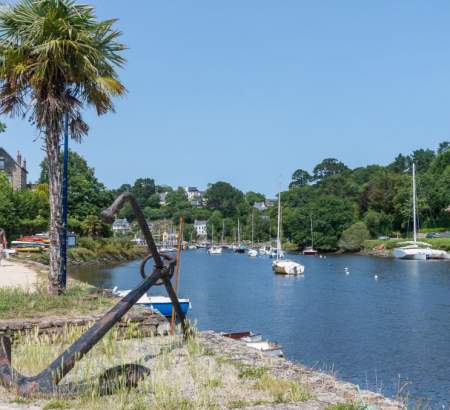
<point x="145" y="322"/>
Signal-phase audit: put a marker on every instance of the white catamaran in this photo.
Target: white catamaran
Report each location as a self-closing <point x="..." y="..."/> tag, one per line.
<point x="279" y="265"/>
<point x="414" y="249"/>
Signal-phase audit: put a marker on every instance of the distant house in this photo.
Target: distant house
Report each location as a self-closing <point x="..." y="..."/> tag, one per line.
<point x="447" y="209"/>
<point x="15" y="170"/>
<point x="260" y="206"/>
<point x="194" y="196"/>
<point x="270" y="202"/>
<point x="121" y="227"/>
<point x="163" y="198"/>
<point x="201" y="229"/>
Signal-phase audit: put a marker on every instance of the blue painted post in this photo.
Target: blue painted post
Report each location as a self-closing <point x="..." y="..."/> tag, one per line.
<point x="64" y="204"/>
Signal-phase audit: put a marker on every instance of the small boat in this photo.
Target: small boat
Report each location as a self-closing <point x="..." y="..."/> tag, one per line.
<point x="167" y="249"/>
<point x="192" y="247"/>
<point x="253" y="253"/>
<point x="240" y="249"/>
<point x="162" y="304"/>
<point x="287" y="267"/>
<point x="272" y="349"/>
<point x="215" y="250"/>
<point x="255" y="341"/>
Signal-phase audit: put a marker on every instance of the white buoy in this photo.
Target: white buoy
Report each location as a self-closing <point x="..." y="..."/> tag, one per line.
<point x="347" y="272"/>
<point x="376" y="277"/>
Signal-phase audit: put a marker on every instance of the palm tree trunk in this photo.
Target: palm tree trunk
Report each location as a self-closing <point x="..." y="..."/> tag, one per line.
<point x="55" y="229"/>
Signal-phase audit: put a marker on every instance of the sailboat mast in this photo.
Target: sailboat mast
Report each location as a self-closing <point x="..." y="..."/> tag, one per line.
<point x="223" y="229"/>
<point x="212" y="235"/>
<point x="239" y="233"/>
<point x="253" y="229"/>
<point x="312" y="236"/>
<point x="279" y="225"/>
<point x="414" y="202"/>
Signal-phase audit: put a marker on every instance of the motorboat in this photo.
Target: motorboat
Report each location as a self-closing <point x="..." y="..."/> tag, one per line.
<point x="162" y="304"/>
<point x="252" y="253"/>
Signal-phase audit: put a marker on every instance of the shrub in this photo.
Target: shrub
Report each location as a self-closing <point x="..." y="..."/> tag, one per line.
<point x="353" y="238"/>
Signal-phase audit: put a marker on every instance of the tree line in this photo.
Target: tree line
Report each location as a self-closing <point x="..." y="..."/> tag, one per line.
<point x="345" y="205"/>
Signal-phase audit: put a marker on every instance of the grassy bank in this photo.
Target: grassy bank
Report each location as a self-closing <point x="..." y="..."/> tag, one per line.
<point x="88" y="250"/>
<point x="79" y="299"/>
<point x="183" y="375"/>
<point x="436" y="243"/>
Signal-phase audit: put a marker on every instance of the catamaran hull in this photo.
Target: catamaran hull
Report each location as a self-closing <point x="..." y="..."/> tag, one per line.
<point x="411" y="254"/>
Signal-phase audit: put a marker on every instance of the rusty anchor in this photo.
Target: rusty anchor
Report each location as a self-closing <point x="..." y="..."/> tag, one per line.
<point x="46" y="382"/>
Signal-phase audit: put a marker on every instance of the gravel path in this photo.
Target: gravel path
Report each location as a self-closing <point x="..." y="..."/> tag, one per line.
<point x="14" y="274"/>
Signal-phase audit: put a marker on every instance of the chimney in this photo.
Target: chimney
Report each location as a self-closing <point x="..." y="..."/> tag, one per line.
<point x="19" y="158"/>
<point x="24" y="164"/>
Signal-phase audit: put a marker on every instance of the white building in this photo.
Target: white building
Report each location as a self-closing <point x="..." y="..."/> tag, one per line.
<point x="194" y="196"/>
<point x="201" y="229"/>
<point x="260" y="206"/>
<point x="121" y="227"/>
<point x="163" y="198"/>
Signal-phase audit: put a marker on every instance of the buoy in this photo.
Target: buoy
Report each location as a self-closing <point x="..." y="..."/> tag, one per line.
<point x="347" y="272"/>
<point x="376" y="277"/>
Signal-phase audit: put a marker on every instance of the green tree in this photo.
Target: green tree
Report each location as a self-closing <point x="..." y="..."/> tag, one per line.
<point x="328" y="167"/>
<point x="252" y="197"/>
<point x="225" y="198"/>
<point x="57" y="59"/>
<point x="353" y="238"/>
<point x="300" y="178"/>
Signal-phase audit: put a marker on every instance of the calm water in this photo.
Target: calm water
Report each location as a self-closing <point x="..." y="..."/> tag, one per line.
<point x="379" y="334"/>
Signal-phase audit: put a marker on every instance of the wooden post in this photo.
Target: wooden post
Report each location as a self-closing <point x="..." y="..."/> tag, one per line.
<point x="177" y="271"/>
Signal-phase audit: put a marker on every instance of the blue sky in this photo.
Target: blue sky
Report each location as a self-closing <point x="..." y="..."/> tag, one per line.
<point x="249" y="91"/>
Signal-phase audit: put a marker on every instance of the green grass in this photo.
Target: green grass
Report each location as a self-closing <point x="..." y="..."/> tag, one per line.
<point x="345" y="406"/>
<point x="78" y="299"/>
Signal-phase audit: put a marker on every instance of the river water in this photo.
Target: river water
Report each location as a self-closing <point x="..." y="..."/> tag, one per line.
<point x="386" y="334"/>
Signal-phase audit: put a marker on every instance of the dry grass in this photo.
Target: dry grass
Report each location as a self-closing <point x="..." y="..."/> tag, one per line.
<point x="183" y="375"/>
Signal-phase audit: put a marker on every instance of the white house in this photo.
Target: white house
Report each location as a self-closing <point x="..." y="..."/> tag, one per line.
<point x="260" y="206"/>
<point x="163" y="198"/>
<point x="121" y="226"/>
<point x="200" y="228"/>
<point x="194" y="196"/>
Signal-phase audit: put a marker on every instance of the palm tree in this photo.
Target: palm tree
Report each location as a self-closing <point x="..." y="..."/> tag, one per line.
<point x="55" y="60"/>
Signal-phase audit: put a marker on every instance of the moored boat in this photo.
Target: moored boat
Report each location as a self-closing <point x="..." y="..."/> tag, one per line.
<point x="252" y="253"/>
<point x="287" y="267"/>
<point x="215" y="250"/>
<point x="162" y="304"/>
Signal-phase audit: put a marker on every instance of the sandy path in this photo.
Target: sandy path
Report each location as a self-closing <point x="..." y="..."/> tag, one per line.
<point x="14" y="274"/>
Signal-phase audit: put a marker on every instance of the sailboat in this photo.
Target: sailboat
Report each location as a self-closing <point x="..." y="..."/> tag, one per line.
<point x="414" y="249"/>
<point x="309" y="250"/>
<point x="253" y="252"/>
<point x="279" y="265"/>
<point x="239" y="247"/>
<point x="214" y="249"/>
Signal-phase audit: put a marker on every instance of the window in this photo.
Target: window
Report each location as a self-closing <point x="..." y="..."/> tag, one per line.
<point x="2" y="164"/>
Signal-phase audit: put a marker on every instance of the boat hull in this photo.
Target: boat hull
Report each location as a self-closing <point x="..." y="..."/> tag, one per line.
<point x="287" y="267"/>
<point x="411" y="254"/>
<point x="166" y="308"/>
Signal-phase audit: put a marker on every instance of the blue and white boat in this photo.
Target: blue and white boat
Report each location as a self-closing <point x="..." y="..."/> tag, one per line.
<point x="162" y="304"/>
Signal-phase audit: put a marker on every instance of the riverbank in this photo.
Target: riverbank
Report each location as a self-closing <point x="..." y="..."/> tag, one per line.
<point x="375" y="247"/>
<point x="101" y="251"/>
<point x="206" y="372"/>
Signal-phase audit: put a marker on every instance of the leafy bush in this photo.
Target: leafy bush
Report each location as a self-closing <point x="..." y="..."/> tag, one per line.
<point x="353" y="238"/>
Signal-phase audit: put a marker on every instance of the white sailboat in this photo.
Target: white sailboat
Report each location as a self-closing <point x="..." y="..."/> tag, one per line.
<point x="309" y="250"/>
<point x="279" y="265"/>
<point x="214" y="249"/>
<point x="414" y="249"/>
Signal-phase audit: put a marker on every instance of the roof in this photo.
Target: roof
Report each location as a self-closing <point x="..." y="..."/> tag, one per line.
<point x="200" y="222"/>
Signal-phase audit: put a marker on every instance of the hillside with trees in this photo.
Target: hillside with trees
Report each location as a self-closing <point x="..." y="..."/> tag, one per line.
<point x="346" y="205"/>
